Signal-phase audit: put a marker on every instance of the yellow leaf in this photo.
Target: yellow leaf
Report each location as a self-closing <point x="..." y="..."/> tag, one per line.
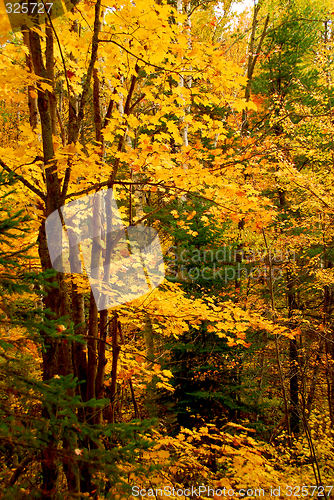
<point x="70" y="149"/>
<point x="39" y="31"/>
<point x="204" y="430"/>
<point x="46" y="86"/>
<point x="223" y="483"/>
<point x="191" y="216"/>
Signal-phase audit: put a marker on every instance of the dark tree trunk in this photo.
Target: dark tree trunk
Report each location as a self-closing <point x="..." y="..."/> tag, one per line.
<point x="329" y="345"/>
<point x="293" y="360"/>
<point x="115" y="353"/>
<point x="32" y="101"/>
<point x="57" y="356"/>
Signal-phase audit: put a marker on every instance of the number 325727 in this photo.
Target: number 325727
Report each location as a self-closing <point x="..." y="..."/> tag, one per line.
<point x="31" y="8"/>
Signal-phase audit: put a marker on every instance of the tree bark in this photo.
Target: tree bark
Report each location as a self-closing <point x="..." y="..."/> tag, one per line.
<point x="252" y="59"/>
<point x="93" y="312"/>
<point x="294" y="410"/>
<point x="315" y="376"/>
<point x="51" y="77"/>
<point x="32" y="101"/>
<point x="329" y="343"/>
<point x="115" y="353"/>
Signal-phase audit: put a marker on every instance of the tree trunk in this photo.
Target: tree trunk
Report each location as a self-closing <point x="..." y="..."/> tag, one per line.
<point x="329" y="344"/>
<point x="93" y="312"/>
<point x="115" y="353"/>
<point x="293" y="360"/>
<point x="253" y="54"/>
<point x="57" y="357"/>
<point x="32" y="101"/>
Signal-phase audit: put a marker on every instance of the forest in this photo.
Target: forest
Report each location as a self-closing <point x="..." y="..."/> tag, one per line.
<point x="166" y="249"/>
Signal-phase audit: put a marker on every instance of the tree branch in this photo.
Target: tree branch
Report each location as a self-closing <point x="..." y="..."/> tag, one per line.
<point x="23" y="180"/>
<point x="97" y="25"/>
<point x="143" y="60"/>
<point x="74" y="128"/>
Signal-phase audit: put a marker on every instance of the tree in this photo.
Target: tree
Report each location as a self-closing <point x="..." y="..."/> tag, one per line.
<point x="140" y="98"/>
<point x="32" y="410"/>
